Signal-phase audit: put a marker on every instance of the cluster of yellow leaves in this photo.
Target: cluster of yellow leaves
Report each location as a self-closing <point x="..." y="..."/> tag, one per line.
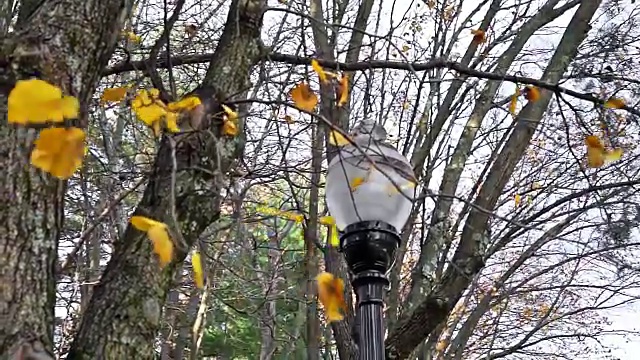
<point x="531" y="93"/>
<point x="598" y="154"/>
<point x="327" y="221"/>
<point x="57" y="150"/>
<point x="331" y="296"/>
<point x="158" y="233"/>
<point x="156" y="114"/>
<point x="305" y="99"/>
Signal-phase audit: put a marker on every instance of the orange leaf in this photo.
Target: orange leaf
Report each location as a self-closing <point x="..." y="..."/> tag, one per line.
<point x="479" y="36"/>
<point x="343" y="90"/>
<point x="614" y="103"/>
<point x="331" y="295"/>
<point x="531" y="93"/>
<point x="597" y="154"/>
<point x="303" y="97"/>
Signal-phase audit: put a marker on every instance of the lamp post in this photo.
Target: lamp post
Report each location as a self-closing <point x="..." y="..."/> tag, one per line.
<point x="369" y="192"/>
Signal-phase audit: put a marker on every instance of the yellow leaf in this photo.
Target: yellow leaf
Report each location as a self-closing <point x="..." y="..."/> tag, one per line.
<point x="337" y="139"/>
<point x="479" y="36"/>
<point x="159" y="236"/>
<point x="331" y="295"/>
<point x="198" y="273"/>
<point x="343" y="90"/>
<point x="131" y="36"/>
<point x="356" y="182"/>
<point x="290" y="215"/>
<point x="517" y="199"/>
<point x="143" y="223"/>
<point x="303" y="97"/>
<point x="36" y="101"/>
<point x="334" y="240"/>
<point x="267" y="211"/>
<point x="327" y="220"/>
<point x="230" y="114"/>
<point x="185" y="104"/>
<point x="319" y="70"/>
<point x="395" y="189"/>
<point x="613" y="155"/>
<point x="527" y="312"/>
<point x="614" y="103"/>
<point x="171" y="120"/>
<point x="441" y="345"/>
<point x="229" y="128"/>
<point x="59" y="151"/>
<point x="514" y="102"/>
<point x="113" y="94"/>
<point x="289" y="119"/>
<point x="162" y="244"/>
<point x="405" y="105"/>
<point x="405" y="48"/>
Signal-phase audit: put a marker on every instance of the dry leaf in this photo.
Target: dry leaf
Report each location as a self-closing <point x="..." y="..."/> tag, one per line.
<point x="191" y="30"/>
<point x="479" y="36"/>
<point x="289" y="119"/>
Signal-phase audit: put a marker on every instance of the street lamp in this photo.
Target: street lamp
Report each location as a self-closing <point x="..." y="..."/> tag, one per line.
<point x="369" y="192"/>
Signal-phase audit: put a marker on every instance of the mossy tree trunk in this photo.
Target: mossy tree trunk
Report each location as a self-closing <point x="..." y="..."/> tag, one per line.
<point x="67" y="45"/>
<point x="123" y="317"/>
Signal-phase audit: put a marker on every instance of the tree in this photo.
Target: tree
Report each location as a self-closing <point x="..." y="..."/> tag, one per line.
<point x="498" y="258"/>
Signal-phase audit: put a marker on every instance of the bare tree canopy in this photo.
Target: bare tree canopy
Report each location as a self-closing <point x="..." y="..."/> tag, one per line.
<point x="164" y="167"/>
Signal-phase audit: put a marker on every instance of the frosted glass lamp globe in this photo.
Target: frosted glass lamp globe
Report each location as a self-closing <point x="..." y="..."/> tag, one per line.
<point x="357" y="191"/>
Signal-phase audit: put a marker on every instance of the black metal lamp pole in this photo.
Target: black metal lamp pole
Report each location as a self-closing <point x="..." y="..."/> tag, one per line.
<point x="369" y="248"/>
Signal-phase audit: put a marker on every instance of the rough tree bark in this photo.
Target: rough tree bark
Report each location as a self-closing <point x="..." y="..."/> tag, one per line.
<point x="123" y="318"/>
<point x="415" y="326"/>
<point x="63" y="43"/>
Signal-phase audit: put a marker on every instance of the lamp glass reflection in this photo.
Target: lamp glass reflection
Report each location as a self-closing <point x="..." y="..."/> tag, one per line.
<point x="358" y="191"/>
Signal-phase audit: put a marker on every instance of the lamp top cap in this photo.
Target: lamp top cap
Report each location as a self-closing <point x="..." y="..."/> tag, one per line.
<point x="370" y="128"/>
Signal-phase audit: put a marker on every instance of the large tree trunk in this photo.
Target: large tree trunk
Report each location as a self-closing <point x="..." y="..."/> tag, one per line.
<point x="415" y="326"/>
<point x="123" y="318"/>
<point x="63" y="43"/>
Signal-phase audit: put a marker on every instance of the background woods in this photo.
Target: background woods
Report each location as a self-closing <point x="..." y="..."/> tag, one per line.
<point x="521" y="245"/>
